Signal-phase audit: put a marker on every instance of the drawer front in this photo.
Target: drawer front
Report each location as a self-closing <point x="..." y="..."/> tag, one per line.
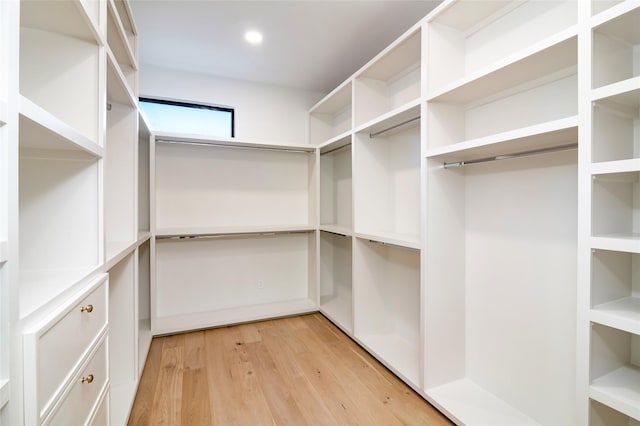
<point x="101" y="417"/>
<point x="60" y="348"/>
<point x="76" y="406"/>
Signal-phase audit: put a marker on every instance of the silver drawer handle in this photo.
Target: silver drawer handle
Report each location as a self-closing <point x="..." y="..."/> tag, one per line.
<point x="87" y="379"/>
<point x="88" y="309"/>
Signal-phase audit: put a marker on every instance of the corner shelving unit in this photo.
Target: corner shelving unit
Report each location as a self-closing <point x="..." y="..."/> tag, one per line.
<point x="332" y="116"/>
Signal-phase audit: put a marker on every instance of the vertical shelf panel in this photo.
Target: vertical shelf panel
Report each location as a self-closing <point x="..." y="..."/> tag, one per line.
<point x="336" y="291"/>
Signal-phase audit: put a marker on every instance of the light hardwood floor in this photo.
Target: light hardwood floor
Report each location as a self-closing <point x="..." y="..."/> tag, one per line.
<point x="292" y="371"/>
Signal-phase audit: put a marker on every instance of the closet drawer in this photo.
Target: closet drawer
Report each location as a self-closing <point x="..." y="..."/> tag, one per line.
<point x="56" y="347"/>
<point x="78" y="402"/>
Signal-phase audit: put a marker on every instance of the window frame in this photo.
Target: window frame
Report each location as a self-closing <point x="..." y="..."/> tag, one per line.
<point x="196" y="106"/>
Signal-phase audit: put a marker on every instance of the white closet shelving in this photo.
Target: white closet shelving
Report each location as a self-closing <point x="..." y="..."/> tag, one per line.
<point x="613" y="310"/>
<point x="497" y="231"/>
<point x="336" y="278"/>
<point x="336" y="186"/>
<point x="60" y="150"/>
<point x="223" y="206"/>
<point x="331" y="118"/>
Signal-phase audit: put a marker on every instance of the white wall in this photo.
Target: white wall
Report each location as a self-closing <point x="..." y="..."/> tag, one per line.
<point x="262" y="112"/>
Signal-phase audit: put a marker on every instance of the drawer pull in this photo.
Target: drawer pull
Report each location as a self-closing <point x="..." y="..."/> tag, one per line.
<point x="87" y="379"/>
<point x="88" y="309"/>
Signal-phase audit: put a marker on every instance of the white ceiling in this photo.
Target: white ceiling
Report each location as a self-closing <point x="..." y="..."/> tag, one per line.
<point x="312" y="45"/>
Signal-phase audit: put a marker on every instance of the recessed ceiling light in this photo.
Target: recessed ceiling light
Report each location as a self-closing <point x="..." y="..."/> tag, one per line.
<point x="253" y="37"/>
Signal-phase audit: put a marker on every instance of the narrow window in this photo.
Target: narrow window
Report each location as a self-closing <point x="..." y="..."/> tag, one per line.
<point x="183" y="117"/>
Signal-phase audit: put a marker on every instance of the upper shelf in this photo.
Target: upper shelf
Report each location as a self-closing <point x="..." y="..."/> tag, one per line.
<point x="551" y="55"/>
<point x="332" y="116"/>
<point x="190" y="233"/>
<point x="43" y="131"/>
<point x="118" y="89"/>
<point x="541" y="136"/>
<point x="118" y="40"/>
<point x="74" y="18"/>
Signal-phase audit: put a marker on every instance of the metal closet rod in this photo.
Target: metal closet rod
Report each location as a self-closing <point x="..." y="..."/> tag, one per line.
<point x="336" y="149"/>
<point x="508" y="156"/>
<point x="395" y="126"/>
<point x="230" y="234"/>
<point x="222" y="145"/>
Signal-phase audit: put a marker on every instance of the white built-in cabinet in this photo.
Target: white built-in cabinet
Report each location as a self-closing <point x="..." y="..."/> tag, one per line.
<point x="73" y="272"/>
<point x="479" y="210"/>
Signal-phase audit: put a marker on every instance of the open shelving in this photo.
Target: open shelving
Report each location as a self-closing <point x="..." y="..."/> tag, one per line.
<point x="616" y="111"/>
<point x="467" y="38"/>
<point x="59" y="63"/>
<point x="144" y="303"/>
<point x="616" y="197"/>
<point x="386" y="173"/>
<point x="614" y="290"/>
<point x="336" y="289"/>
<point x="144" y="141"/>
<point x="228" y="188"/>
<point x="332" y="116"/>
<point x="386" y="280"/>
<point x="120" y="172"/>
<point x="615" y="369"/>
<point x="601" y="415"/>
<point x="390" y="80"/>
<point x="121" y="40"/>
<point x="336" y="186"/>
<point x="615" y="44"/>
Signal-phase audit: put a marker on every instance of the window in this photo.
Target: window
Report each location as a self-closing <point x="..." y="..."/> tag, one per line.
<point x="183" y="117"/>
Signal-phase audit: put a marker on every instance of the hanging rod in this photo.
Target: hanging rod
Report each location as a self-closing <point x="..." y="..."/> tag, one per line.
<point x="395" y="126"/>
<point x="336" y="149"/>
<point x="230" y="234"/>
<point x="334" y="233"/>
<point x="508" y="156"/>
<point x="222" y="145"/>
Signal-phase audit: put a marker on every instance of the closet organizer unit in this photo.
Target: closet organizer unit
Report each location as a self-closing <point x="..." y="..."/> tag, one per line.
<point x="614" y="173"/>
<point x="61" y="289"/>
<point x="236" y="220"/>
<point x="369" y="255"/>
<point x="501" y="190"/>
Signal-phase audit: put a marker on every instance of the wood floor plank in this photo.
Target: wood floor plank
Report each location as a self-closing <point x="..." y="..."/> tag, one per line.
<point x="292" y="371"/>
<point x="142" y="408"/>
<point x="195" y="408"/>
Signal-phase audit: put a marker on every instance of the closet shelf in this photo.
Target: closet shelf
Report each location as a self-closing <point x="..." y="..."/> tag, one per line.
<point x="469" y="403"/>
<point x="617" y="242"/>
<point x="143" y="237"/>
<point x="342" y="140"/>
<point x="551" y="55"/>
<point x="392" y="239"/>
<point x="71" y="18"/>
<point x="229" y="142"/>
<point x="118" y="250"/>
<point x="339" y="311"/>
<point x="396" y="117"/>
<point x="623" y="314"/>
<point x="627" y="26"/>
<point x="540" y="136"/>
<point x="337" y="100"/>
<point x="464" y="16"/>
<point x="619" y="390"/>
<point x="614" y="167"/>
<point x="625" y="93"/>
<point x="118" y="89"/>
<point x="42" y="131"/>
<point x="336" y="229"/>
<point x="196" y="321"/>
<point x="189" y="233"/>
